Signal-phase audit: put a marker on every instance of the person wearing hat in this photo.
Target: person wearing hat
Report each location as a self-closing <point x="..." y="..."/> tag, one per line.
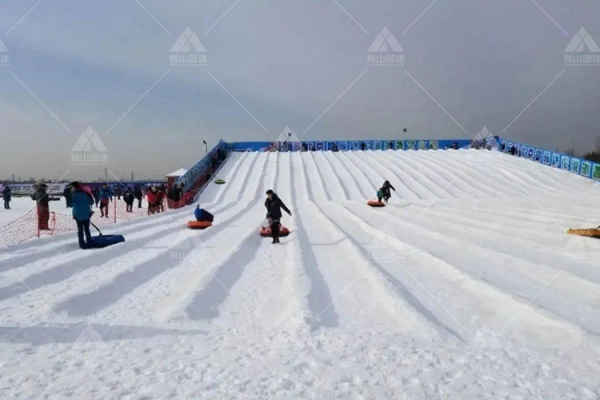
<point x="40" y="196"/>
<point x="274" y="206"/>
<point x="82" y="203"/>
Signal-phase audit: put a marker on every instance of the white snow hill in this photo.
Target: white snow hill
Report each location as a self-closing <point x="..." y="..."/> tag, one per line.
<point x="466" y="286"/>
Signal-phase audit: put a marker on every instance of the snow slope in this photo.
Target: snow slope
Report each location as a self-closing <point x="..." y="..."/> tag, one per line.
<point x="466" y="286"/>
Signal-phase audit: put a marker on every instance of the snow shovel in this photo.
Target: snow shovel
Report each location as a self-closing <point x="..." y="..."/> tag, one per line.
<point x="101" y="241"/>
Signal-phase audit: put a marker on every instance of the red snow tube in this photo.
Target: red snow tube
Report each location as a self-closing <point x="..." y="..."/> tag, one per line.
<point x="283" y="231"/>
<point x="199" y="224"/>
<point x="374" y="203"/>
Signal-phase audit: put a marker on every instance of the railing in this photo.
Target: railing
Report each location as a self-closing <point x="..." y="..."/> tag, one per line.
<point x="202" y="168"/>
<point x="554" y="159"/>
<point x="348" y="145"/>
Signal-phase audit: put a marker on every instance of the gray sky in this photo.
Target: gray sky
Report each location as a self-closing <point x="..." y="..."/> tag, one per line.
<point x="89" y="62"/>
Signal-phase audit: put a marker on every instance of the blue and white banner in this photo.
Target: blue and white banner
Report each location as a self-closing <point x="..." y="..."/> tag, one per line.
<point x="573" y="164"/>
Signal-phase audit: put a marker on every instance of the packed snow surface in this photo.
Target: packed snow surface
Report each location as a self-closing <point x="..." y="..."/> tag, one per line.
<point x="466" y="286"/>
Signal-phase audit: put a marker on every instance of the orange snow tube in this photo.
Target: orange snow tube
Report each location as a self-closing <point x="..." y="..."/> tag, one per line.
<point x="199" y="224"/>
<point x="595" y="233"/>
<point x="283" y="231"/>
<point x="374" y="203"/>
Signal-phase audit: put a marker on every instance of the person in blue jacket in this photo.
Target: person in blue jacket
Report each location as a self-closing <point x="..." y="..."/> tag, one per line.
<point x="82" y="204"/>
<point x="105" y="195"/>
<point x="203" y="215"/>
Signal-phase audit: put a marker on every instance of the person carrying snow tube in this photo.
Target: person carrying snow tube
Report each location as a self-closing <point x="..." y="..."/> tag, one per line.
<point x="274" y="206"/>
<point x="202" y="215"/>
<point x="82" y="203"/>
<point x="385" y="189"/>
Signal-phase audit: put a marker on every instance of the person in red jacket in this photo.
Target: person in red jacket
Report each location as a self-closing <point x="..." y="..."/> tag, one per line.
<point x="151" y="200"/>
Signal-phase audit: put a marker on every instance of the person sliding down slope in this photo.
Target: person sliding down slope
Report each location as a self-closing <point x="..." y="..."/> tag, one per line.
<point x="386" y="190"/>
<point x="202" y="215"/>
<point x="274" y="206"/>
<point x="379" y="195"/>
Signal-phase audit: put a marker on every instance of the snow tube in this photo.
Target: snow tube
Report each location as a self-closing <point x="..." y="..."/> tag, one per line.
<point x="595" y="233"/>
<point x="283" y="231"/>
<point x="374" y="203"/>
<point x="199" y="224"/>
<point x="219" y="181"/>
<point x="99" y="242"/>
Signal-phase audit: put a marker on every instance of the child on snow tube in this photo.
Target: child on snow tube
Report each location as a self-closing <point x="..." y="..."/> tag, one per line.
<point x="202" y="215"/>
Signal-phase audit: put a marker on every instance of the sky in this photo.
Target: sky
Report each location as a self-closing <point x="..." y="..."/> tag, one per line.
<point x="74" y="64"/>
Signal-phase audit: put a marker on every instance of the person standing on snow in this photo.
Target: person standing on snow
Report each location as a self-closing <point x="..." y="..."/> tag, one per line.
<point x="386" y="190"/>
<point x="274" y="206"/>
<point x="129" y="199"/>
<point x="67" y="195"/>
<point x="105" y="195"/>
<point x="82" y="203"/>
<point x="6" y="195"/>
<point x="139" y="195"/>
<point x="43" y="204"/>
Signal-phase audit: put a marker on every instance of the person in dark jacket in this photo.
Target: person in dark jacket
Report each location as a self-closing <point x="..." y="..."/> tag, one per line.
<point x="386" y="190"/>
<point x="82" y="204"/>
<point x="274" y="206"/>
<point x="6" y="195"/>
<point x="129" y="199"/>
<point x="43" y="204"/>
<point x="203" y="215"/>
<point x="138" y="195"/>
<point x="96" y="194"/>
<point x="67" y="194"/>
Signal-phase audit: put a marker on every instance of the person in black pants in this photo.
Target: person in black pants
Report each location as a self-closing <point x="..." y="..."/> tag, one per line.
<point x="274" y="206"/>
<point x="386" y="190"/>
<point x="139" y="195"/>
<point x="6" y="195"/>
<point x="82" y="212"/>
<point x="67" y="195"/>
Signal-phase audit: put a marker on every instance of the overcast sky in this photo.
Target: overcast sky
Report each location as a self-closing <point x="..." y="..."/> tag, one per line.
<point x="271" y="64"/>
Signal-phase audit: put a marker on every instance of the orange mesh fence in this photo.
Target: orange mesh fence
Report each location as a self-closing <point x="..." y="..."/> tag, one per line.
<point x="36" y="223"/>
